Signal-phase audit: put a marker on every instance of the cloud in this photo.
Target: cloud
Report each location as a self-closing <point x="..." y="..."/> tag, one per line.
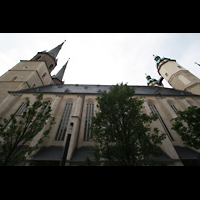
<point x="103" y="58"/>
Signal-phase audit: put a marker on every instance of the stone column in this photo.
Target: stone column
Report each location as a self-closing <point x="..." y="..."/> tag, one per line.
<point x="74" y="131"/>
<point x="7" y="102"/>
<point x="185" y="103"/>
<point x="55" y="104"/>
<point x="168" y="107"/>
<point x="166" y="144"/>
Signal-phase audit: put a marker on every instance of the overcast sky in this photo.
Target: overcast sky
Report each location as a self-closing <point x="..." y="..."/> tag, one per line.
<point x="104" y="58"/>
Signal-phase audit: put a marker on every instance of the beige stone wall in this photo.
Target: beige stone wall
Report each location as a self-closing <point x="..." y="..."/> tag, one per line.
<point x="78" y="114"/>
<point x="24" y="75"/>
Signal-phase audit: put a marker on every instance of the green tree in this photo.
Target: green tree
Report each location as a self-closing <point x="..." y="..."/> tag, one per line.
<point x="121" y="131"/>
<point x="187" y="125"/>
<point x="16" y="131"/>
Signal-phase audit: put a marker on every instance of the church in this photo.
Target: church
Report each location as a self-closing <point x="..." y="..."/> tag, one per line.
<point x="73" y="106"/>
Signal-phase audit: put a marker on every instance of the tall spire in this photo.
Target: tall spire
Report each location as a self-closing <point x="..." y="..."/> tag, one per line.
<point x="54" y="52"/>
<point x="60" y="74"/>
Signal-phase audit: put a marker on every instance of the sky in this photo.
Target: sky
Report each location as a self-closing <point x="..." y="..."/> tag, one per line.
<point x="104" y="58"/>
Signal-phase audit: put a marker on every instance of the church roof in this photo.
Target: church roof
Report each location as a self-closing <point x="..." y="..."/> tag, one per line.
<point x="97" y="89"/>
<point x="60" y="74"/>
<point x="54" y="52"/>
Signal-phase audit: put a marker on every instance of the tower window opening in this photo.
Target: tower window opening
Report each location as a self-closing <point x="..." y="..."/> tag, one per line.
<point x="37" y="58"/>
<point x="44" y="75"/>
<point x="51" y="67"/>
<point x="179" y="66"/>
<point x="166" y="74"/>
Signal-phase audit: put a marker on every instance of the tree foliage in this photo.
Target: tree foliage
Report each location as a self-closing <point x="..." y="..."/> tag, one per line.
<point x="121" y="131"/>
<point x="187" y="125"/>
<point x="18" y="130"/>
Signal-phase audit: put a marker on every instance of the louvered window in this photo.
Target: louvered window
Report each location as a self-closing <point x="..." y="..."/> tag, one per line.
<point x="88" y="121"/>
<point x="60" y="135"/>
<point x="155" y="111"/>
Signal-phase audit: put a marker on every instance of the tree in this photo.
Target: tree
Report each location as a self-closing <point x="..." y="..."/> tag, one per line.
<point x="121" y="131"/>
<point x="187" y="125"/>
<point x="16" y="131"/>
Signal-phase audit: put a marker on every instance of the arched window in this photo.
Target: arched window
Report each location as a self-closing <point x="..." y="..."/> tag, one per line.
<point x="88" y="120"/>
<point x="172" y="104"/>
<point x="60" y="135"/>
<point x="154" y="110"/>
<point x="21" y="109"/>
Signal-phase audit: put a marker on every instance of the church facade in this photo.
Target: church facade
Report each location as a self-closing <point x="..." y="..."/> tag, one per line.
<point x="73" y="106"/>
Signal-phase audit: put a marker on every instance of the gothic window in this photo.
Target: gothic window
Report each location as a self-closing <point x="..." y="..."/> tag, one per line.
<point x="60" y="135"/>
<point x="21" y="109"/>
<point x="88" y="121"/>
<point x="42" y="110"/>
<point x="173" y="107"/>
<point x="155" y="111"/>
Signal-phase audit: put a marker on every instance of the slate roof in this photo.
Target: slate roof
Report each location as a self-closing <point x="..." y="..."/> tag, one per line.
<point x="81" y="153"/>
<point x="186" y="152"/>
<point x="51" y="153"/>
<point x="97" y="89"/>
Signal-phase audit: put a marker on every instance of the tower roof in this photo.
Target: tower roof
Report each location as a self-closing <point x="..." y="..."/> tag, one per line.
<point x="149" y="79"/>
<point x="60" y="74"/>
<point x="54" y="52"/>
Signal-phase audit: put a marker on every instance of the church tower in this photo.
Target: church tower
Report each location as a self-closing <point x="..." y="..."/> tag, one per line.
<point x="30" y="73"/>
<point x="177" y="76"/>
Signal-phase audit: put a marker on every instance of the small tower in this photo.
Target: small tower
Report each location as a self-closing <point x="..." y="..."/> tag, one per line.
<point x="29" y="73"/>
<point x="176" y="75"/>
<point x="49" y="57"/>
<point x="153" y="81"/>
<point x="57" y="79"/>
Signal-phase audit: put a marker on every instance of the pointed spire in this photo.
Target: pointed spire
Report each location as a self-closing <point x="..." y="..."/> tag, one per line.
<point x="54" y="52"/>
<point x="60" y="74"/>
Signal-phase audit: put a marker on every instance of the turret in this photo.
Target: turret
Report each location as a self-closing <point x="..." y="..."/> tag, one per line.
<point x="57" y="79"/>
<point x="153" y="81"/>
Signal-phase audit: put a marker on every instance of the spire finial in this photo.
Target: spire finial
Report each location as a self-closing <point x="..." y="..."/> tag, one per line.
<point x="54" y="52"/>
<point x="60" y="74"/>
